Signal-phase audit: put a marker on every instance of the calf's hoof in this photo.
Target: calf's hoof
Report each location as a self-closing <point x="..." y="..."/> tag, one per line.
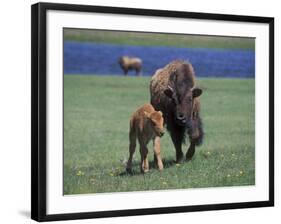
<point x="144" y="170"/>
<point x="160" y="168"/>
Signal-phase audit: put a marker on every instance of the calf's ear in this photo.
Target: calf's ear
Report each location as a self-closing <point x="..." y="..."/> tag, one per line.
<point x="196" y="92"/>
<point x="169" y="91"/>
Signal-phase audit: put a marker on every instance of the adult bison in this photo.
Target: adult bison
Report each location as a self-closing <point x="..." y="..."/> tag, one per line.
<point x="130" y="63"/>
<point x="173" y="92"/>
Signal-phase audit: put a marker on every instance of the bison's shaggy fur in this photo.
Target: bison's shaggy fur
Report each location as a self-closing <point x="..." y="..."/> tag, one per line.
<point x="130" y="63"/>
<point x="145" y="124"/>
<point x="173" y="92"/>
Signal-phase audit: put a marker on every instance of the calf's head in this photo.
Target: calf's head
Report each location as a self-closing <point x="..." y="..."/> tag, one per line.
<point x="182" y="94"/>
<point x="157" y="122"/>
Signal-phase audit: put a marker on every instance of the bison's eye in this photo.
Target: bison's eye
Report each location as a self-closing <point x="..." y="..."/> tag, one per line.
<point x="175" y="100"/>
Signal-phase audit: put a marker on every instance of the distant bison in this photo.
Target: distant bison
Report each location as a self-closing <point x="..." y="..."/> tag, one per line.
<point x="130" y="63"/>
<point x="173" y="92"/>
<point x="146" y="124"/>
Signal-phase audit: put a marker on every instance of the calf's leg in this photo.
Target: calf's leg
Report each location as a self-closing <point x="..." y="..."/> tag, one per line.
<point x="144" y="167"/>
<point x="132" y="148"/>
<point x="157" y="155"/>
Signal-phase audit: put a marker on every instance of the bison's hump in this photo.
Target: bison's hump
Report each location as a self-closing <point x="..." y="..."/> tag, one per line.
<point x="162" y="78"/>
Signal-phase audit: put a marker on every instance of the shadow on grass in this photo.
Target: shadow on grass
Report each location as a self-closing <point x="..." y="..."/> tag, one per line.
<point x="152" y="165"/>
<point x="92" y="170"/>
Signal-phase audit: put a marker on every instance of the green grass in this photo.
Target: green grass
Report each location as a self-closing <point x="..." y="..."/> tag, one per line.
<point x="158" y="39"/>
<point x="96" y="121"/>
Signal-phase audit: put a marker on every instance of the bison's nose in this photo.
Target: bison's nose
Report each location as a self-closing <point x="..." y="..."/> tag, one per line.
<point x="181" y="118"/>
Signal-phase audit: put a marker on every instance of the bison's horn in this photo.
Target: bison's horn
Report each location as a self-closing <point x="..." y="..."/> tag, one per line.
<point x="170" y="88"/>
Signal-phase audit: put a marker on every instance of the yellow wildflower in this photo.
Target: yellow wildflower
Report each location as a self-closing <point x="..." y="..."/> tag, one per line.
<point x="80" y="173"/>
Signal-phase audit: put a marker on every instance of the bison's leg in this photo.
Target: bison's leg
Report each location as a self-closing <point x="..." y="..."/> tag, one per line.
<point x="195" y="137"/>
<point x="132" y="148"/>
<point x="190" y="151"/>
<point x="138" y="71"/>
<point x="144" y="161"/>
<point x="125" y="72"/>
<point x="157" y="155"/>
<point x="177" y="135"/>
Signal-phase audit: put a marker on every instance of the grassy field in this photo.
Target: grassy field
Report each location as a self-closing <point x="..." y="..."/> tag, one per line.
<point x="158" y="39"/>
<point x="96" y="121"/>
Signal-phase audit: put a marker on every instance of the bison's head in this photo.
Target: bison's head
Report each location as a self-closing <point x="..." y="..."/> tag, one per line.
<point x="183" y="104"/>
<point x="157" y="122"/>
<point x="182" y="92"/>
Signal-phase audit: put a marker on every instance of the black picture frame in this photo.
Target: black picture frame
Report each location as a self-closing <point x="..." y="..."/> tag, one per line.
<point x="39" y="114"/>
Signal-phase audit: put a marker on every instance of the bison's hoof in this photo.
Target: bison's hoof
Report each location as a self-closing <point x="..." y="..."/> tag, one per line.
<point x="179" y="160"/>
<point x="129" y="170"/>
<point x="188" y="157"/>
<point x="190" y="153"/>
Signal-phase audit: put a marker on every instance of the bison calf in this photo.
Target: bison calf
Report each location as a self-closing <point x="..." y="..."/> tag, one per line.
<point x="145" y="124"/>
<point x="130" y="63"/>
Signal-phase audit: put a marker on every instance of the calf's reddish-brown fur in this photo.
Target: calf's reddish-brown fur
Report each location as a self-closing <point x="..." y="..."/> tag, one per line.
<point x="146" y="124"/>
